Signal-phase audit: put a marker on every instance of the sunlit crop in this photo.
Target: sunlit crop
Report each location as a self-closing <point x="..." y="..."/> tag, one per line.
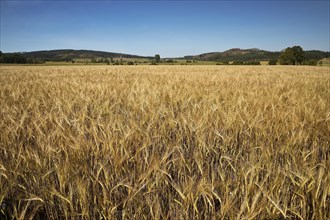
<point x="164" y="142"/>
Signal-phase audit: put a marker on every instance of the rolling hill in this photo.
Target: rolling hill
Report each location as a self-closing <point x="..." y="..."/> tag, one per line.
<point x="67" y="55"/>
<point x="254" y="54"/>
<point x="235" y="54"/>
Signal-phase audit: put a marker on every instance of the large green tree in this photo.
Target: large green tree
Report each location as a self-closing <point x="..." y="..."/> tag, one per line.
<point x="292" y="56"/>
<point x="298" y="54"/>
<point x="157" y="58"/>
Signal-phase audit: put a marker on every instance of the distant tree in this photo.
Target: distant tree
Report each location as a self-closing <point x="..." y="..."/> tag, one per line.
<point x="272" y="62"/>
<point x="316" y="54"/>
<point x="310" y="62"/>
<point x="292" y="56"/>
<point x="287" y="57"/>
<point x="12" y="58"/>
<point x="299" y="54"/>
<point x="130" y="63"/>
<point x="73" y="61"/>
<point x="237" y="63"/>
<point x="251" y="63"/>
<point x="93" y="60"/>
<point x="157" y="58"/>
<point x="31" y="61"/>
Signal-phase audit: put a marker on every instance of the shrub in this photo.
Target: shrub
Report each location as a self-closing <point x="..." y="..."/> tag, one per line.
<point x="272" y="62"/>
<point x="309" y="62"/>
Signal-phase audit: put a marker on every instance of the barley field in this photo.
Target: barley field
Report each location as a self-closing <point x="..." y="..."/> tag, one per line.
<point x="164" y="142"/>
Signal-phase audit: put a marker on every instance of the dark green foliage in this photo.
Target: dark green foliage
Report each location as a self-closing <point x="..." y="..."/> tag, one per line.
<point x="68" y="55"/>
<point x="30" y="61"/>
<point x="246" y="63"/>
<point x="157" y="58"/>
<point x="272" y="62"/>
<point x="316" y="55"/>
<point x="237" y="63"/>
<point x="130" y="63"/>
<point x="101" y="60"/>
<point x="299" y="54"/>
<point x="310" y="62"/>
<point x="237" y="55"/>
<point x="252" y="63"/>
<point x="223" y="63"/>
<point x="287" y="57"/>
<point x="252" y="55"/>
<point x="296" y="56"/>
<point x="292" y="56"/>
<point x="12" y="58"/>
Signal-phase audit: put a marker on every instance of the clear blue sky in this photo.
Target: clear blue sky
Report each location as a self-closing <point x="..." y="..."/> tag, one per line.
<point x="170" y="28"/>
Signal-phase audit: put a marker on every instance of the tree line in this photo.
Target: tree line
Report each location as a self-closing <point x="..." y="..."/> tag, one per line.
<point x="290" y="56"/>
<point x="293" y="56"/>
<point x="11" y="58"/>
<point x="17" y="58"/>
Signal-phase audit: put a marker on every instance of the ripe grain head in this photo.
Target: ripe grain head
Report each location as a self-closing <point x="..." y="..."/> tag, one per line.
<point x="165" y="142"/>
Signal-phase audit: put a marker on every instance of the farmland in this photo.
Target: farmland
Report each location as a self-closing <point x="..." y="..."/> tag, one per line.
<point x="164" y="142"/>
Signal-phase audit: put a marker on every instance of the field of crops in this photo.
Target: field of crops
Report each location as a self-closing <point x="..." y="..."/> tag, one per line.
<point x="164" y="142"/>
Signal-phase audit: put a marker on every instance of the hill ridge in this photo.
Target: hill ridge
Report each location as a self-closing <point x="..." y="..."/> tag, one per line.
<point x="252" y="54"/>
<point x="70" y="54"/>
<point x="233" y="54"/>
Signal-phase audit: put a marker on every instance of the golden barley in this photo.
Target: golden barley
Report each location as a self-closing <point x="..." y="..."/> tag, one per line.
<point x="164" y="142"/>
